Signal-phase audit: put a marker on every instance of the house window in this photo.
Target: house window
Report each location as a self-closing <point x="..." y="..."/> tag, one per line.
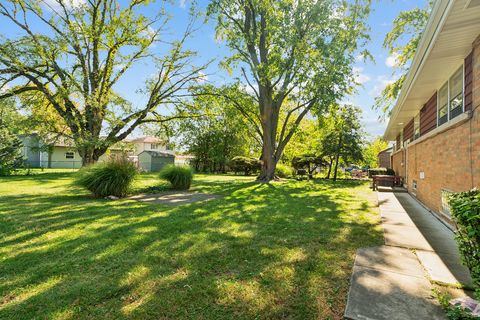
<point x="443" y="105"/>
<point x="416" y="126"/>
<point x="456" y="93"/>
<point x="154" y="146"/>
<point x="445" y="206"/>
<point x="450" y="98"/>
<point x="69" y="155"/>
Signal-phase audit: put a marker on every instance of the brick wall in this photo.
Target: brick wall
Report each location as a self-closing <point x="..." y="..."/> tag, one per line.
<point x="449" y="160"/>
<point x="398" y="163"/>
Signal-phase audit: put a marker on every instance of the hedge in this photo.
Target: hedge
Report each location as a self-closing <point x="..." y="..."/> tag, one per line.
<point x="465" y="209"/>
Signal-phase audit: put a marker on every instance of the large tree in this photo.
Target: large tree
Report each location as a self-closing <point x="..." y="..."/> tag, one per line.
<point x="296" y="51"/>
<point x="71" y="55"/>
<point x="345" y="141"/>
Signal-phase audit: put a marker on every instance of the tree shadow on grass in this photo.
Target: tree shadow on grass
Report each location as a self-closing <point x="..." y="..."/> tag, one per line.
<point x="260" y="252"/>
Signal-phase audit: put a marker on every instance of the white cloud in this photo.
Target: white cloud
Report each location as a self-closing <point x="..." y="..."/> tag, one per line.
<point x="183" y="3"/>
<point x="360" y="77"/>
<point x="392" y="60"/>
<point x="202" y="77"/>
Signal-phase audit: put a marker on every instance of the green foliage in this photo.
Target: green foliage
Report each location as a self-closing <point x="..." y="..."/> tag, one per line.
<point x="113" y="177"/>
<point x="245" y="164"/>
<point x="402" y="42"/>
<point x="79" y="53"/>
<point x="290" y="53"/>
<point x="465" y="209"/>
<point x="308" y="162"/>
<point x="220" y="133"/>
<point x="180" y="177"/>
<point x="344" y="141"/>
<point x="371" y="151"/>
<point x="283" y="171"/>
<point x="10" y="151"/>
<point x="453" y="312"/>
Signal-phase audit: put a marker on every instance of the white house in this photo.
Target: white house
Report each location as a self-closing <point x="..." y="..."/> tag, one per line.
<point x="62" y="153"/>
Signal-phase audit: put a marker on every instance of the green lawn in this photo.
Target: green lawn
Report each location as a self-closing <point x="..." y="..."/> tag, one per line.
<point x="280" y="251"/>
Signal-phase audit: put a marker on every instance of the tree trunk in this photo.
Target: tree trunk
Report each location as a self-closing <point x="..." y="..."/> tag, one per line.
<point x="269" y="116"/>
<point x="330" y="164"/>
<point x="269" y="162"/>
<point x="90" y="155"/>
<point x="337" y="157"/>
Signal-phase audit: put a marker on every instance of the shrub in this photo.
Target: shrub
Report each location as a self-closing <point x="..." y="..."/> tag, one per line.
<point x="465" y="209"/>
<point x="283" y="171"/>
<point x="179" y="176"/>
<point x="112" y="177"/>
<point x="245" y="164"/>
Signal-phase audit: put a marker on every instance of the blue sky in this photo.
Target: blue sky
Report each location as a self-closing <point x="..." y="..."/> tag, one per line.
<point x="373" y="75"/>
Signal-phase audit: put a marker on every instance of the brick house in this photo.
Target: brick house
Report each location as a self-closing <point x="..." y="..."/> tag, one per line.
<point x="384" y="158"/>
<point x="436" y="120"/>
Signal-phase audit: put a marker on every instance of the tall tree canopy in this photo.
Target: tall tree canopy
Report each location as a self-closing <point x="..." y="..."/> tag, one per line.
<point x="219" y="133"/>
<point x="70" y="55"/>
<point x="296" y="51"/>
<point x="402" y="43"/>
<point x="346" y="138"/>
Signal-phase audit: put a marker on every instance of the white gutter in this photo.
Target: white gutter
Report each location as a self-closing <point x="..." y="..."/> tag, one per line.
<point x="435" y="23"/>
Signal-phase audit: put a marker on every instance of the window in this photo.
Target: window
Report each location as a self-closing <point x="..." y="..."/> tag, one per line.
<point x="443" y="105"/>
<point x="456" y="93"/>
<point x="69" y="155"/>
<point x="416" y="127"/>
<point x="154" y="146"/>
<point x="450" y="98"/>
<point x="445" y="206"/>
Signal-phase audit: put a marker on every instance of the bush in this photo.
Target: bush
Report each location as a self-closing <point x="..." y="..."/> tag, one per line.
<point x="110" y="178"/>
<point x="465" y="209"/>
<point x="245" y="164"/>
<point x="283" y="171"/>
<point x="179" y="176"/>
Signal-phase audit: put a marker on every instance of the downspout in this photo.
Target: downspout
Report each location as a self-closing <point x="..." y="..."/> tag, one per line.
<point x="406" y="165"/>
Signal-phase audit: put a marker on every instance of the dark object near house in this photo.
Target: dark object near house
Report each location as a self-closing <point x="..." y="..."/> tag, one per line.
<point x="386" y="181"/>
<point x="380" y="171"/>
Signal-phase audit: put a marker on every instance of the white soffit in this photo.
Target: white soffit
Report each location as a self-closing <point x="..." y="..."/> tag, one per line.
<point x="445" y="44"/>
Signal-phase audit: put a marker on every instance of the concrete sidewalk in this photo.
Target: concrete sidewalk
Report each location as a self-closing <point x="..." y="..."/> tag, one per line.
<point x="395" y="281"/>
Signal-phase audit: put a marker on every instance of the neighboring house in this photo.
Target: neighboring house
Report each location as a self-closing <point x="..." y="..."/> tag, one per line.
<point x="436" y="121"/>
<point x="148" y="143"/>
<point x="153" y="160"/>
<point x="384" y="158"/>
<point x="61" y="153"/>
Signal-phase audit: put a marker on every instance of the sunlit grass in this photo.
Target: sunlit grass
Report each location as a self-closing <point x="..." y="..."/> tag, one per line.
<point x="258" y="252"/>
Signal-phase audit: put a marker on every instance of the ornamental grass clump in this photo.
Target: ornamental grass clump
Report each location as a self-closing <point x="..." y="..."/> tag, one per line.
<point x="465" y="209"/>
<point x="180" y="177"/>
<point x="111" y="178"/>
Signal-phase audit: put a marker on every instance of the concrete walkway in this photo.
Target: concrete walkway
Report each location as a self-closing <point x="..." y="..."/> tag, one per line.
<point x="394" y="281"/>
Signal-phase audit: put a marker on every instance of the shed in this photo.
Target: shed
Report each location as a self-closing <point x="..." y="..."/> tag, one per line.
<point x="152" y="160"/>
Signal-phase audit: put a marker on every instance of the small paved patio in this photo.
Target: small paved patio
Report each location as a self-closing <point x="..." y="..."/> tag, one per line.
<point x="395" y="281"/>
